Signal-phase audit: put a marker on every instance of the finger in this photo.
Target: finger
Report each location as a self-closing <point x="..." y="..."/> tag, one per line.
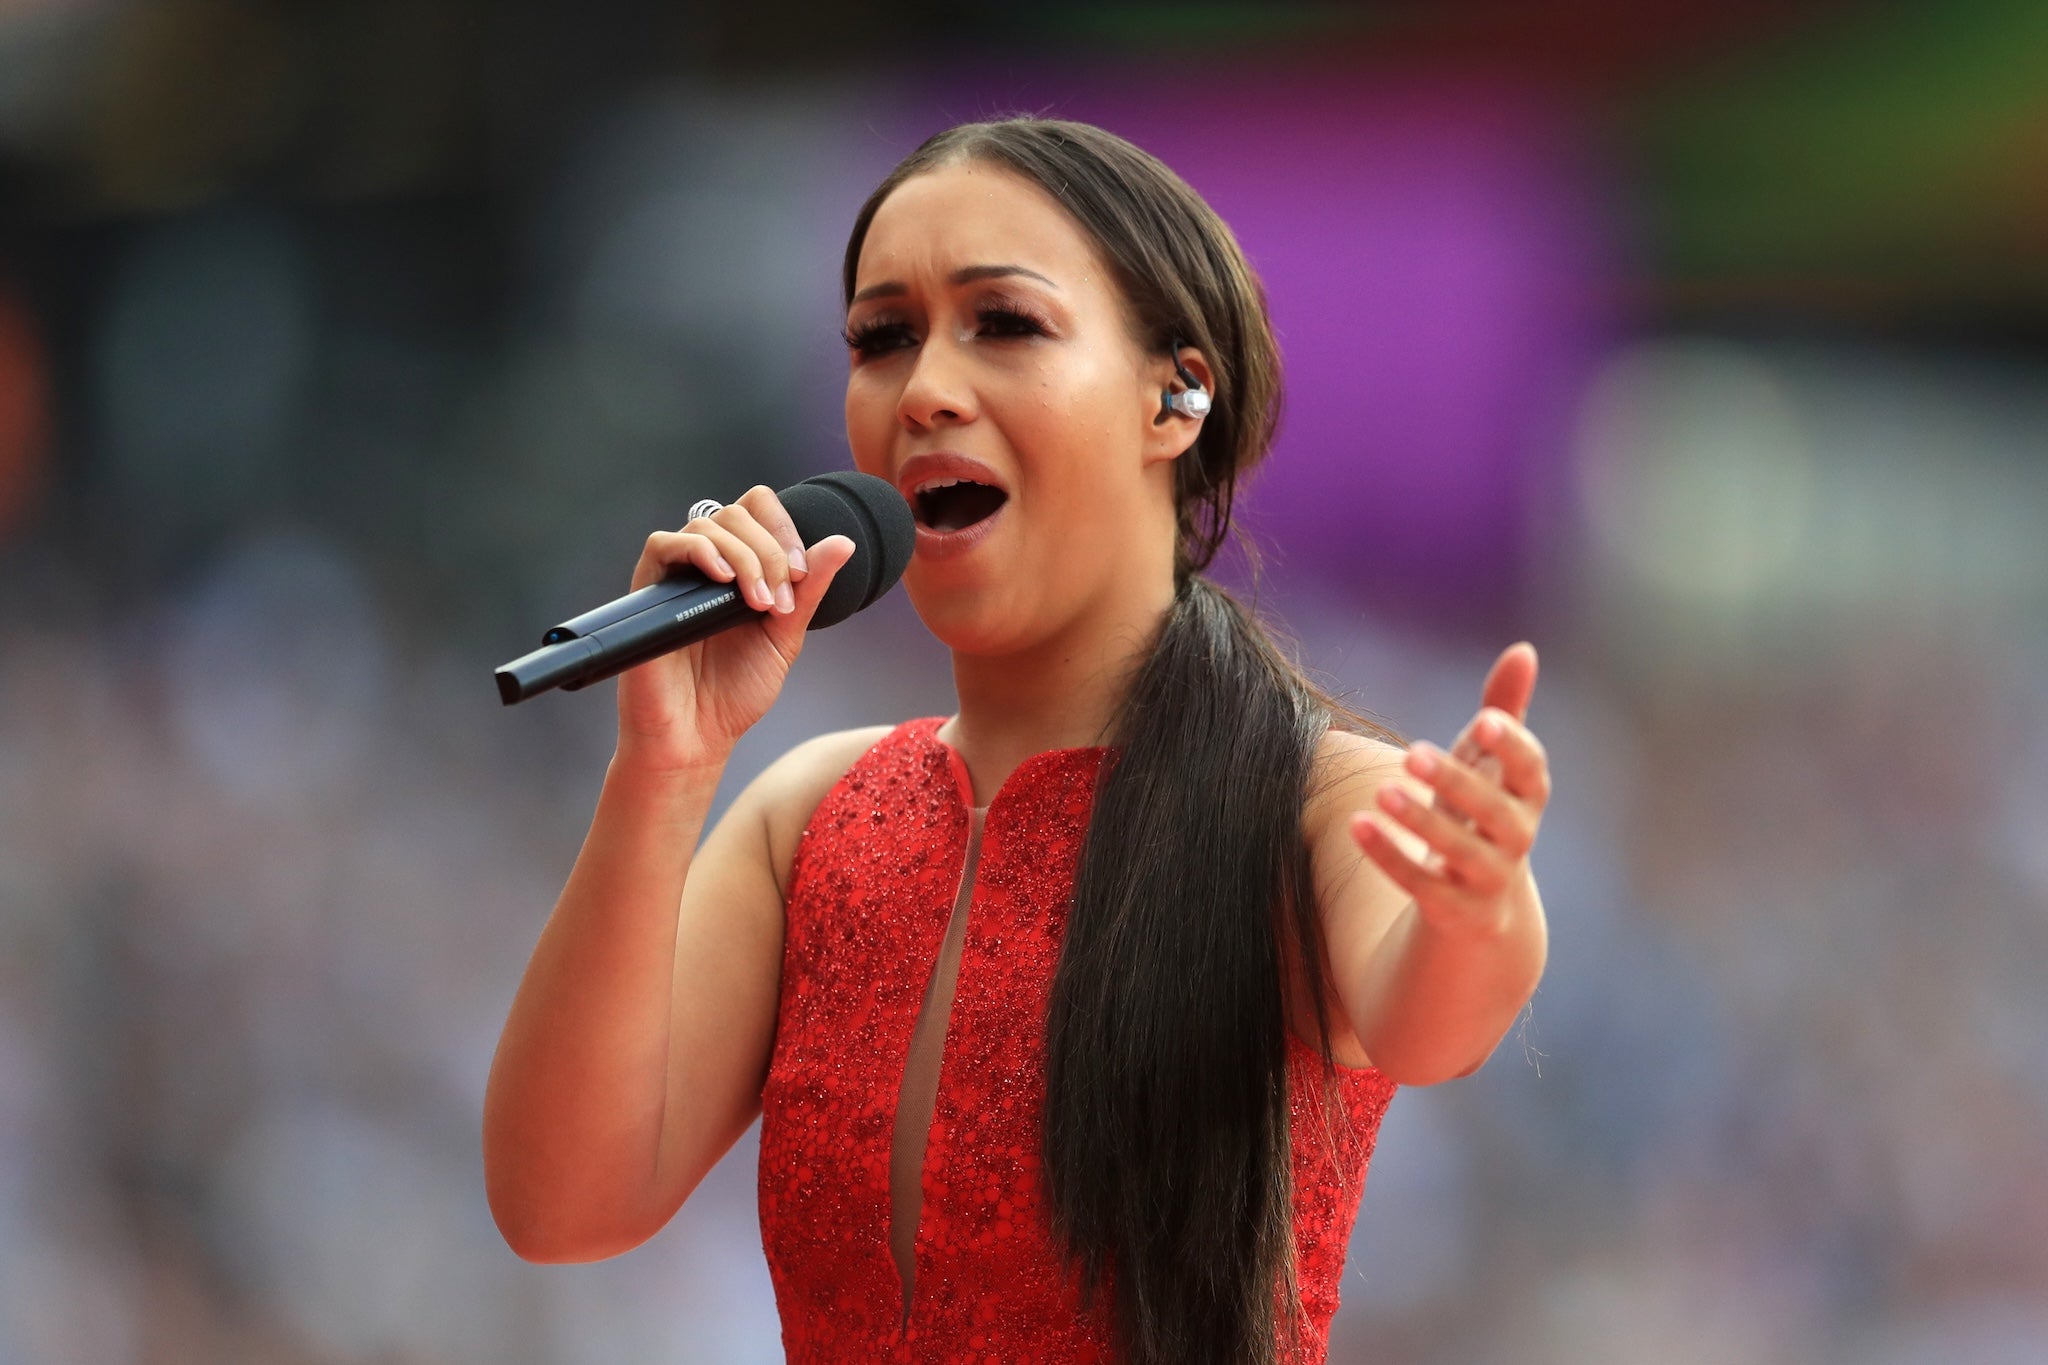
<point x="1467" y="749"/>
<point x="1377" y="842"/>
<point x="1463" y="792"/>
<point x="1467" y="859"/>
<point x="767" y="509"/>
<point x="746" y="563"/>
<point x="666" y="550"/>
<point x="1524" y="766"/>
<point x="827" y="558"/>
<point x="767" y="551"/>
<point x="1512" y="680"/>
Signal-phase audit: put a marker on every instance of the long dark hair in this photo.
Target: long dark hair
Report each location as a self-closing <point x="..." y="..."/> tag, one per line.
<point x="1167" y="1157"/>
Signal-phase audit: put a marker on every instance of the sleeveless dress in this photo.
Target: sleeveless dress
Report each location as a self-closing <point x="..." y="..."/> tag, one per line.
<point x="873" y="886"/>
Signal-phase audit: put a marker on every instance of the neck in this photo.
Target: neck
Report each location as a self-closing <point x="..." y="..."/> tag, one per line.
<point x="1061" y="694"/>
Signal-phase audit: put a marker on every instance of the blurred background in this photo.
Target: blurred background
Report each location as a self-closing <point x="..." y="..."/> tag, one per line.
<point x="343" y="348"/>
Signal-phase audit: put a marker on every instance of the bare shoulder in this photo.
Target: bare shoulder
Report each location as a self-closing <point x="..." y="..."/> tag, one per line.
<point x="1348" y="749"/>
<point x="1349" y="768"/>
<point x="788" y="790"/>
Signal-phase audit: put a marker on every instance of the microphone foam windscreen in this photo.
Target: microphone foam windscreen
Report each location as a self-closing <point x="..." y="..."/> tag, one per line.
<point x="872" y="514"/>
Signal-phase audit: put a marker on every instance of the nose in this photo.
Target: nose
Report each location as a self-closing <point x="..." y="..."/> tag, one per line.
<point x="938" y="388"/>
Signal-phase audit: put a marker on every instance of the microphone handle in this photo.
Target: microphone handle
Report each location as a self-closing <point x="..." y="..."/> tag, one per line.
<point x="574" y="659"/>
<point x="685" y="606"/>
<point x="681" y="581"/>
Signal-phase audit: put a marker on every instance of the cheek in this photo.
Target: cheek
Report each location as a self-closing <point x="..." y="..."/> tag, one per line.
<point x="1086" y="438"/>
<point x="1064" y="382"/>
<point x="869" y="420"/>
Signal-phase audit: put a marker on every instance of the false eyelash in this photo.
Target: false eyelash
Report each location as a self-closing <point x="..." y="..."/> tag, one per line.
<point x="866" y="337"/>
<point x="1011" y="311"/>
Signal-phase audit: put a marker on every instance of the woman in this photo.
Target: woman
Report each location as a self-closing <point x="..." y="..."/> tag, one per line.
<point x="1071" y="1017"/>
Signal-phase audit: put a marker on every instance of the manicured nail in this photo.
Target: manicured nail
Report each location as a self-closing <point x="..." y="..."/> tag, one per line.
<point x="784" y="602"/>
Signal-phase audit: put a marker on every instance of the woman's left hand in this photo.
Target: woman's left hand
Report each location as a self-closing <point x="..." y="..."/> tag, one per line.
<point x="1489" y="792"/>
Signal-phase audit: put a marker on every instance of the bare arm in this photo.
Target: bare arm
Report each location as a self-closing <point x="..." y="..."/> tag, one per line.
<point x="635" y="1047"/>
<point x="1434" y="929"/>
<point x="573" y="1115"/>
<point x="1427" y="1003"/>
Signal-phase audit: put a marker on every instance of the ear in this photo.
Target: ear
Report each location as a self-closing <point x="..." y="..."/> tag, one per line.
<point x="1170" y="439"/>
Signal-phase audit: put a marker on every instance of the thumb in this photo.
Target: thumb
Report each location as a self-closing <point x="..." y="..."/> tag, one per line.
<point x="1512" y="680"/>
<point x="824" y="561"/>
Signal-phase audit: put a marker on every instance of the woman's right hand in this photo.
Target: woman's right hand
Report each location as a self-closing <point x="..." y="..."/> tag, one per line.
<point x="689" y="707"/>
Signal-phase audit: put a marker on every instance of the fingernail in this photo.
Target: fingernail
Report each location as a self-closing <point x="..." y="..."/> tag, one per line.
<point x="1393" y="798"/>
<point x="1421" y="761"/>
<point x="723" y="568"/>
<point x="762" y="594"/>
<point x="796" y="560"/>
<point x="784" y="602"/>
<point x="1488" y="729"/>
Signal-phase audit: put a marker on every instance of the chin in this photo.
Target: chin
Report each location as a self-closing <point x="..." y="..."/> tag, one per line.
<point x="967" y="619"/>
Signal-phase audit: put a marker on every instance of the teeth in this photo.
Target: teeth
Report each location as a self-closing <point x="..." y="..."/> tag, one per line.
<point x="934" y="485"/>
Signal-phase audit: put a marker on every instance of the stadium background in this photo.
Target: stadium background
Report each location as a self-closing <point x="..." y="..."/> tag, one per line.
<point x="343" y="348"/>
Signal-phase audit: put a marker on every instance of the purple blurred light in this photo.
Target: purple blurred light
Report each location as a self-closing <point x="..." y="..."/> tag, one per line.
<point x="1432" y="251"/>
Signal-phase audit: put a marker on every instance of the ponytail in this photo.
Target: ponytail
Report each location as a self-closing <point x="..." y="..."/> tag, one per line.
<point x="1166" y="1130"/>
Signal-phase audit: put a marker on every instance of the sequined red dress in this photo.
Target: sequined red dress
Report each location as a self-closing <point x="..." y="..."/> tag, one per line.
<point x="872" y="890"/>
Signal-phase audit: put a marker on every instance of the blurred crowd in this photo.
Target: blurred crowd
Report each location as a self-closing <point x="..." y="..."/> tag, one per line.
<point x="300" y="437"/>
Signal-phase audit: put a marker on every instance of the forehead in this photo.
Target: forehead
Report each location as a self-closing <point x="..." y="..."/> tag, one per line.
<point x="974" y="213"/>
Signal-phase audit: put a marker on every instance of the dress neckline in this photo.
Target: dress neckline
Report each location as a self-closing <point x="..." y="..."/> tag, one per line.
<point x="928" y="729"/>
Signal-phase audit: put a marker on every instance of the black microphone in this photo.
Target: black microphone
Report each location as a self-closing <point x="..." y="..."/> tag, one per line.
<point x="686" y="606"/>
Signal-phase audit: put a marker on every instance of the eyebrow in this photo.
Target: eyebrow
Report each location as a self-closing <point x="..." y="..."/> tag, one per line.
<point x="964" y="275"/>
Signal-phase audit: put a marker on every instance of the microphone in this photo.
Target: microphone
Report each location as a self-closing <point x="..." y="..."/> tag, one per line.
<point x="686" y="606"/>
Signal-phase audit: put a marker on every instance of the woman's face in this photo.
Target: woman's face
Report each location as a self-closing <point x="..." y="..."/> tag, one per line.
<point x="994" y="380"/>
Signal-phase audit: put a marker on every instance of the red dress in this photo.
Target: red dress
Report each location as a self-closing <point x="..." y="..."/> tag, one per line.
<point x="873" y="886"/>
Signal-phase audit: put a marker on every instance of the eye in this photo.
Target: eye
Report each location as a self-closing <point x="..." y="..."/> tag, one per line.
<point x="877" y="336"/>
<point x="1004" y="321"/>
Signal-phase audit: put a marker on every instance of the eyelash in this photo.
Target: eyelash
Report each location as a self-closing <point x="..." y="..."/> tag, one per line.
<point x="867" y="338"/>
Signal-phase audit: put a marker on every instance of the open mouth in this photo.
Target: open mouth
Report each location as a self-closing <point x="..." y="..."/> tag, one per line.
<point x="955" y="504"/>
